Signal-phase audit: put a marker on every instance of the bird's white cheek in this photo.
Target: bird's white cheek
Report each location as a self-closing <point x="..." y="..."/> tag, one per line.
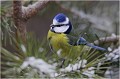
<point x="61" y="29"/>
<point x="50" y="28"/>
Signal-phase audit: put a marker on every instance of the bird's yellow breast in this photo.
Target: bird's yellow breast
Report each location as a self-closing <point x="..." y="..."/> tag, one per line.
<point x="61" y="41"/>
<point x="58" y="41"/>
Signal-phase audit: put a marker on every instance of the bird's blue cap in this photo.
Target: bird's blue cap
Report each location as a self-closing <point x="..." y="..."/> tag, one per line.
<point x="60" y="17"/>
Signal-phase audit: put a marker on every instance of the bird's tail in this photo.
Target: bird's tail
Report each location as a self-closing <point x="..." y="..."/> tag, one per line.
<point x="82" y="41"/>
<point x="96" y="47"/>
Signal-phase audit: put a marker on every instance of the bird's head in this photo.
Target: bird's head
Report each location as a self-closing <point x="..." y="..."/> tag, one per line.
<point x="61" y="24"/>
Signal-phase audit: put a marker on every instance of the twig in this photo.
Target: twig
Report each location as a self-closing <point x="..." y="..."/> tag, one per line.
<point x="33" y="9"/>
<point x="107" y="40"/>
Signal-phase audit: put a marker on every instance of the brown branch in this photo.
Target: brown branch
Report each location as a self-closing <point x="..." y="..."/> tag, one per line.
<point x="19" y="23"/>
<point x="107" y="40"/>
<point x="33" y="9"/>
<point x="21" y="14"/>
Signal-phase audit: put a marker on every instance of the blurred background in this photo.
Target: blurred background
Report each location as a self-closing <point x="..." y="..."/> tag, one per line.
<point x="93" y="18"/>
<point x="102" y="16"/>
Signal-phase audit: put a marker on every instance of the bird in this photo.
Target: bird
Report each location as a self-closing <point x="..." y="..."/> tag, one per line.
<point x="62" y="43"/>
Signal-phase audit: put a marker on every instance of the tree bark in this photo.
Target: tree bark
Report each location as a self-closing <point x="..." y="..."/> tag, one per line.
<point x="22" y="14"/>
<point x="18" y="20"/>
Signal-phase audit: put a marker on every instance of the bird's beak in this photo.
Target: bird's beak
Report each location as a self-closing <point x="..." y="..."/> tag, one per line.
<point x="51" y="25"/>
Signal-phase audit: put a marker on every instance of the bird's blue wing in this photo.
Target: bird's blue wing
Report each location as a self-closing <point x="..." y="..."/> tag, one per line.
<point x="72" y="40"/>
<point x="82" y="41"/>
<point x="96" y="47"/>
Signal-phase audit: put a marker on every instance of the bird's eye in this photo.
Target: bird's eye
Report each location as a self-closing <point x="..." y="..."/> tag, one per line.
<point x="55" y="25"/>
<point x="58" y="25"/>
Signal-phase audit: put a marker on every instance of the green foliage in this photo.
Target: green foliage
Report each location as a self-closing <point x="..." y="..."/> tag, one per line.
<point x="11" y="61"/>
<point x="7" y="25"/>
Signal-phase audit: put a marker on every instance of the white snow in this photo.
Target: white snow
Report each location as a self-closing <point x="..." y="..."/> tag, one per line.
<point x="23" y="48"/>
<point x="41" y="49"/>
<point x="108" y="73"/>
<point x="113" y="55"/>
<point x="90" y="72"/>
<point x="109" y="49"/>
<point x="40" y="65"/>
<point x="24" y="65"/>
<point x="98" y="66"/>
<point x="74" y="67"/>
<point x="67" y="69"/>
<point x="116" y="56"/>
<point x="113" y="35"/>
<point x="33" y="6"/>
<point x="91" y="68"/>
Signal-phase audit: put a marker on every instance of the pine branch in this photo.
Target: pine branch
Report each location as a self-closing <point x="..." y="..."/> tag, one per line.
<point x="107" y="40"/>
<point x="21" y="15"/>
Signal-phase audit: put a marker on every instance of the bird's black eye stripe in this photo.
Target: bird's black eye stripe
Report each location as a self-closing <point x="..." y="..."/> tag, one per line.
<point x="58" y="25"/>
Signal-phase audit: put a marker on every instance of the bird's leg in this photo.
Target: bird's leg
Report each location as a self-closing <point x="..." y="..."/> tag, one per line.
<point x="63" y="61"/>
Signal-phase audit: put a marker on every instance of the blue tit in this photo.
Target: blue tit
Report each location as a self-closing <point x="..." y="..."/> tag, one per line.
<point x="62" y="42"/>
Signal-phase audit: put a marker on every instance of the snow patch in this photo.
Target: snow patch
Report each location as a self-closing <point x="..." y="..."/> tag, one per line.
<point x="41" y="49"/>
<point x="90" y="72"/>
<point x="113" y="55"/>
<point x="40" y="65"/>
<point x="74" y="67"/>
<point x="23" y="48"/>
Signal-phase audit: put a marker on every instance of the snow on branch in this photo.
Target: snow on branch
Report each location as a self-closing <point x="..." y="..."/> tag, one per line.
<point x="40" y="65"/>
<point x="107" y="39"/>
<point x="31" y="10"/>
